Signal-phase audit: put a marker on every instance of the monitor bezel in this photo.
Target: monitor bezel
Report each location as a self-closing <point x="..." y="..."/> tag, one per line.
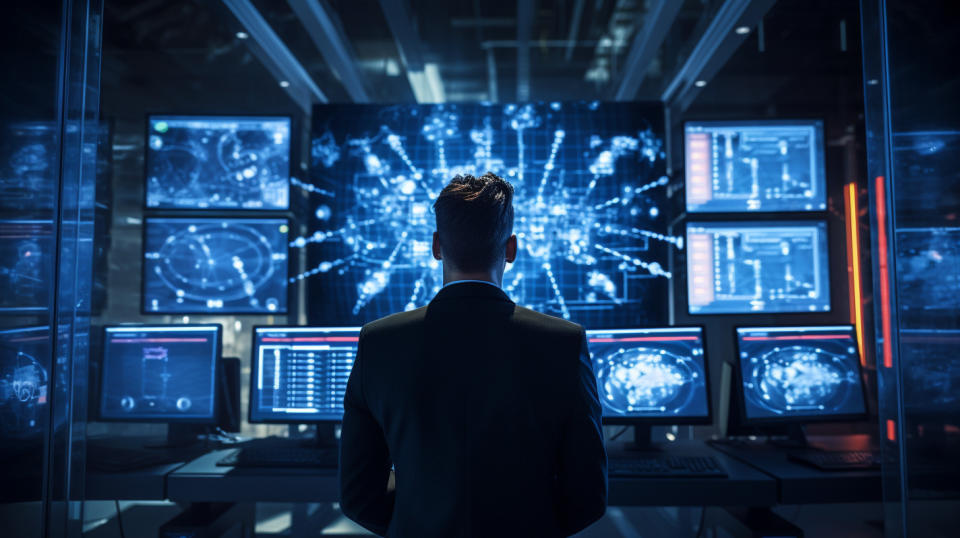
<point x="793" y="419"/>
<point x="660" y="421"/>
<point x="215" y="410"/>
<point x="288" y="286"/>
<point x="146" y="150"/>
<point x="760" y="223"/>
<point x="772" y="121"/>
<point x="254" y="366"/>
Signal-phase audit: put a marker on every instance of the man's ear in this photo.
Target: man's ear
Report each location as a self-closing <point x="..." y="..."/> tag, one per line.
<point x="437" y="253"/>
<point x="511" y="253"/>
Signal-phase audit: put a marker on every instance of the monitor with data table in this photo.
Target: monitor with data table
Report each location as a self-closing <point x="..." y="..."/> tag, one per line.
<point x="160" y="373"/>
<point x="300" y="374"/>
<point x="755" y="166"/>
<point x="757" y="267"/>
<point x="656" y="375"/>
<point x="802" y="373"/>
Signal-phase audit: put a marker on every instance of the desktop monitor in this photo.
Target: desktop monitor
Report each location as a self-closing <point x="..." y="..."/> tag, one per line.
<point x="806" y="374"/>
<point x="755" y="166"/>
<point x="218" y="162"/>
<point x="215" y="266"/>
<point x="160" y="373"/>
<point x="651" y="375"/>
<point x="299" y="374"/>
<point x="757" y="267"/>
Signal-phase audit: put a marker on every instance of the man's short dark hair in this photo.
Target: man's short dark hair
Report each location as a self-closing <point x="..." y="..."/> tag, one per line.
<point x="474" y="220"/>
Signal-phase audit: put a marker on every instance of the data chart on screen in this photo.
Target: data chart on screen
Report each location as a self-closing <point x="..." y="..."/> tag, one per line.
<point x="300" y="373"/>
<point x="159" y="373"/>
<point x="590" y="206"/>
<point x="651" y="373"/>
<point x="769" y="165"/>
<point x="201" y="265"/>
<point x="218" y="162"/>
<point x="750" y="267"/>
<point x="811" y="371"/>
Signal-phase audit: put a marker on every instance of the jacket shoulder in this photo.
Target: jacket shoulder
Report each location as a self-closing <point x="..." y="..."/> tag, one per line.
<point x="550" y="324"/>
<point x="399" y="322"/>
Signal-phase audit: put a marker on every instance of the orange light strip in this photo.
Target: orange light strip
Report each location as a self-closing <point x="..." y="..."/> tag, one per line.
<point x="853" y="257"/>
<point x="884" y="267"/>
<point x="891" y="430"/>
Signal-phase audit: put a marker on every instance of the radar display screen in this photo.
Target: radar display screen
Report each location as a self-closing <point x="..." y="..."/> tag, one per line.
<point x="300" y="373"/>
<point x="750" y="267"/>
<point x="205" y="266"/>
<point x="759" y="166"/>
<point x="218" y="162"/>
<point x="806" y="372"/>
<point x="160" y="373"/>
<point x="590" y="206"/>
<point x="651" y="373"/>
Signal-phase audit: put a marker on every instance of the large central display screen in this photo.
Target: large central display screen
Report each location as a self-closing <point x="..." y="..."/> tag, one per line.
<point x="590" y="193"/>
<point x="745" y="267"/>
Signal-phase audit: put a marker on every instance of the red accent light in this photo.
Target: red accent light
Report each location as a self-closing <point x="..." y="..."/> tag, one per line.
<point x="800" y="337"/>
<point x="311" y="339"/>
<point x="644" y="339"/>
<point x="156" y="340"/>
<point x="884" y="267"/>
<point x="891" y="430"/>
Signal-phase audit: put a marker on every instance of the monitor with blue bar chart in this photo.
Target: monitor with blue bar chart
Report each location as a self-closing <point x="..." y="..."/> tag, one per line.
<point x="755" y="166"/>
<point x="651" y="375"/>
<point x="160" y="373"/>
<point x="300" y="374"/>
<point x="806" y="373"/>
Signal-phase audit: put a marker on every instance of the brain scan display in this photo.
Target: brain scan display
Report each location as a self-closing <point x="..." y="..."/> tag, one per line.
<point x="656" y="373"/>
<point x="159" y="373"/>
<point x="589" y="206"/>
<point x="24" y="381"/>
<point x="26" y="265"/>
<point x="215" y="265"/>
<point x="771" y="165"/>
<point x="928" y="271"/>
<point x="218" y="162"/>
<point x="800" y="372"/>
<point x="745" y="267"/>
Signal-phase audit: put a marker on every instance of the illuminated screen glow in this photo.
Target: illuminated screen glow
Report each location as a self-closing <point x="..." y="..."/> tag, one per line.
<point x="25" y="383"/>
<point x="590" y="198"/>
<point x="300" y="373"/>
<point x="160" y="373"/>
<point x="653" y="373"/>
<point x="747" y="267"/>
<point x="218" y="162"/>
<point x="800" y="372"/>
<point x="774" y="165"/>
<point x="202" y="265"/>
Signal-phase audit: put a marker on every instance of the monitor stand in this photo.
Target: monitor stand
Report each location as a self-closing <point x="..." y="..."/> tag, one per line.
<point x="324" y="436"/>
<point x="181" y="436"/>
<point x="796" y="438"/>
<point x="642" y="440"/>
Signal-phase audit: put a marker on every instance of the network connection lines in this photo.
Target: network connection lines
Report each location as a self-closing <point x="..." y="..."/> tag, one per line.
<point x="589" y="206"/>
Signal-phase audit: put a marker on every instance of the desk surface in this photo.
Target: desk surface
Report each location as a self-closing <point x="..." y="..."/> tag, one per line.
<point x="802" y="484"/>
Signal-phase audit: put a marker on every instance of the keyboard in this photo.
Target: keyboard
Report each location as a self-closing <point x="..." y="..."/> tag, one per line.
<point x="838" y="460"/>
<point x="666" y="466"/>
<point x="288" y="456"/>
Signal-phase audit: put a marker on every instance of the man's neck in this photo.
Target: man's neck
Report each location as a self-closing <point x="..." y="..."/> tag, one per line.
<point x="456" y="276"/>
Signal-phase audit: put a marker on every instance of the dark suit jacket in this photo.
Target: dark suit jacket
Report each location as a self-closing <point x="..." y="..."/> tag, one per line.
<point x="489" y="413"/>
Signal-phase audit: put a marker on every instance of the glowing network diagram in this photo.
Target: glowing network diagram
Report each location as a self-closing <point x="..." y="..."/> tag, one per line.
<point x="215" y="265"/>
<point x="25" y="262"/>
<point x="590" y="191"/>
<point x="224" y="162"/>
<point x="24" y="380"/>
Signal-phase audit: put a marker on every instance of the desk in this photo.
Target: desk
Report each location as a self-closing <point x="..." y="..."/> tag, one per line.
<point x="148" y="484"/>
<point x="801" y="484"/>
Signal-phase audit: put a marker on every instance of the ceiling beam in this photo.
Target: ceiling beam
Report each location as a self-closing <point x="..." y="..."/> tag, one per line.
<point x="267" y="46"/>
<point x="715" y="47"/>
<point x="524" y="31"/>
<point x="400" y="20"/>
<point x="647" y="41"/>
<point x="574" y="29"/>
<point x="327" y="34"/>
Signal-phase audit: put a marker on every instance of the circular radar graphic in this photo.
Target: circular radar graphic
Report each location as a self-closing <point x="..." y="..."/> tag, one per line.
<point x="643" y="380"/>
<point x="800" y="378"/>
<point x="216" y="263"/>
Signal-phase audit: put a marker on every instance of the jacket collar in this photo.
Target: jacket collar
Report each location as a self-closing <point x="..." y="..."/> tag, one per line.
<point x="480" y="290"/>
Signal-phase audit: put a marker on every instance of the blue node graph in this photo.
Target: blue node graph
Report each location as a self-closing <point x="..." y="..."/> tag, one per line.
<point x="218" y="162"/>
<point x="590" y="199"/>
<point x="196" y="265"/>
<point x="24" y="380"/>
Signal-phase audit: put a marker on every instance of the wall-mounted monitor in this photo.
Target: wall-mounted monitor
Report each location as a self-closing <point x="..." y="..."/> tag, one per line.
<point x="651" y="375"/>
<point x="25" y="383"/>
<point x="757" y="267"/>
<point x="218" y="162"/>
<point x="299" y="374"/>
<point x="160" y="373"/>
<point x="26" y="265"/>
<point x="762" y="166"/>
<point x="805" y="373"/>
<point x="214" y="266"/>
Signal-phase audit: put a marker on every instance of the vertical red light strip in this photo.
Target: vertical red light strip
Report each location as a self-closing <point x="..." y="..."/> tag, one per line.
<point x="884" y="273"/>
<point x="853" y="257"/>
<point x="891" y="430"/>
